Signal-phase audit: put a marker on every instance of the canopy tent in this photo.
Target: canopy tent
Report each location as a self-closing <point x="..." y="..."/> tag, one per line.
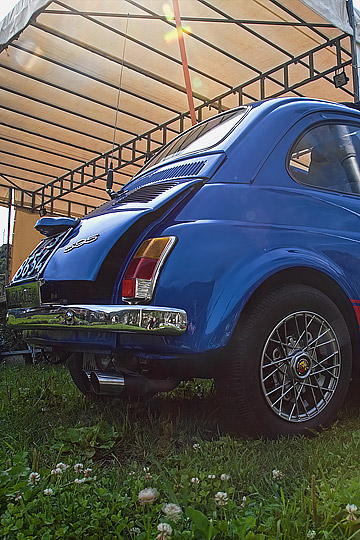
<point x="62" y="63"/>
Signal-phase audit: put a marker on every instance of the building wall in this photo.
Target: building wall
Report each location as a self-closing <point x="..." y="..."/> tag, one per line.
<point x="25" y="238"/>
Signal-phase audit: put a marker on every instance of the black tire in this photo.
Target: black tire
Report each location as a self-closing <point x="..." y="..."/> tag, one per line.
<point x="275" y="378"/>
<point x="75" y="365"/>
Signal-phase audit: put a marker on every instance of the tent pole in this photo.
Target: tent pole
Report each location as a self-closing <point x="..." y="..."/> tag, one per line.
<point x="184" y="61"/>
<point x="7" y="271"/>
<point x="355" y="67"/>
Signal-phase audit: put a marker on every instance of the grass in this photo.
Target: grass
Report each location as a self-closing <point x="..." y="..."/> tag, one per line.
<point x="44" y="420"/>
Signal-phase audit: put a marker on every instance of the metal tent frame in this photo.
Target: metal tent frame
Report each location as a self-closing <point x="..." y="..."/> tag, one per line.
<point x="56" y="155"/>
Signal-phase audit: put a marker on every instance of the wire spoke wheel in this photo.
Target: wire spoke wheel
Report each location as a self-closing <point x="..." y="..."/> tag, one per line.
<point x="300" y="366"/>
<point x="288" y="366"/>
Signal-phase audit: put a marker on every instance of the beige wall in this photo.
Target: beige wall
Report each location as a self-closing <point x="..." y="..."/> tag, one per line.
<point x="25" y="238"/>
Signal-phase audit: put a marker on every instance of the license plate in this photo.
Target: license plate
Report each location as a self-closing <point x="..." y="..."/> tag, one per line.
<point x="26" y="295"/>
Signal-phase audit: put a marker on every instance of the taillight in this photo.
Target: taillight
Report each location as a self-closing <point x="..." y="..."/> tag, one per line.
<point x="143" y="270"/>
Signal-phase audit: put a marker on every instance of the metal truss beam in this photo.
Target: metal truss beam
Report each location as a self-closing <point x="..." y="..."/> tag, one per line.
<point x="114" y="59"/>
<point x="64" y="109"/>
<point x="197" y="38"/>
<point x="33" y="160"/>
<point x="140" y="43"/>
<point x="134" y="148"/>
<point x="207" y="43"/>
<point x="56" y="124"/>
<point x="68" y="90"/>
<point x="313" y="27"/>
<point x="24" y="198"/>
<point x="46" y="137"/>
<point x="187" y="19"/>
<point x="244" y="27"/>
<point x="39" y="149"/>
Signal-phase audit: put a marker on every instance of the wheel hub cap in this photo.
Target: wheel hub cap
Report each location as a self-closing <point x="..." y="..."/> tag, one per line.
<point x="301" y="365"/>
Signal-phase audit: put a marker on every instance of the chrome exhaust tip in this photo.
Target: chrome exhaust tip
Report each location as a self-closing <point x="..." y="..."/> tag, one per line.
<point x="107" y="383"/>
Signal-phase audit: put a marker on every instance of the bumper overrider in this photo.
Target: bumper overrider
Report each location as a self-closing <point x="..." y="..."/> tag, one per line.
<point x="109" y="318"/>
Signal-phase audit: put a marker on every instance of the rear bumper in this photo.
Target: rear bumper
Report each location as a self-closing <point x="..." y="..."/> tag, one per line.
<point x="110" y="318"/>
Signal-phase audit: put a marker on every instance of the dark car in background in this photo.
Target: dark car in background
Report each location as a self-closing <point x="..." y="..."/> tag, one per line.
<point x="233" y="254"/>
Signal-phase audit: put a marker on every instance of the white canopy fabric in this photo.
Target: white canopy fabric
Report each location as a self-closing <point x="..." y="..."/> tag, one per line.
<point x="63" y="61"/>
<point x="333" y="11"/>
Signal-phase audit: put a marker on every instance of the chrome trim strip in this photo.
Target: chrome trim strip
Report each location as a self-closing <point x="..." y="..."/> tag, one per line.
<point x="110" y="318"/>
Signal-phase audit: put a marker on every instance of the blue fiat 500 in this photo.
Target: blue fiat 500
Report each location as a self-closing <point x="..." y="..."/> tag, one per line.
<point x="233" y="254"/>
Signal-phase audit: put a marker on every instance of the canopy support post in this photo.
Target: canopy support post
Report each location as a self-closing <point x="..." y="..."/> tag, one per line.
<point x="7" y="270"/>
<point x="355" y="67"/>
<point x="184" y="61"/>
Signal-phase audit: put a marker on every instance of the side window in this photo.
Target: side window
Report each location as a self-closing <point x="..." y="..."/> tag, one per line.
<point x="328" y="157"/>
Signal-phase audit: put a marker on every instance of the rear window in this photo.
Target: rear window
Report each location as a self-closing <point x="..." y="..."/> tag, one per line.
<point x="200" y="137"/>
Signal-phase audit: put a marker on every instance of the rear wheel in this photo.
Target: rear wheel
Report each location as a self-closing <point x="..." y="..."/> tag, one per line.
<point x="288" y="366"/>
<point x="77" y="364"/>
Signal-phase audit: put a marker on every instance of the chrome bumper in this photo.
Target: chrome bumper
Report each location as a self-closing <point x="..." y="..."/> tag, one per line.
<point x="150" y="319"/>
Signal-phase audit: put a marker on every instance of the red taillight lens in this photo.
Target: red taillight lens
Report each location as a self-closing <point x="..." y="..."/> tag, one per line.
<point x="144" y="268"/>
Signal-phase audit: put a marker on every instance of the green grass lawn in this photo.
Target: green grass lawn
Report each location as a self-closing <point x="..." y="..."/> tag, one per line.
<point x="217" y="486"/>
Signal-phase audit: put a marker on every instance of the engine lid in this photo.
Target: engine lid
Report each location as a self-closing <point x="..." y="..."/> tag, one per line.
<point x="84" y="250"/>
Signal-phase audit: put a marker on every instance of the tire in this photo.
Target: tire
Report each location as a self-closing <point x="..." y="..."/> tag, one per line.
<point x="76" y="366"/>
<point x="275" y="378"/>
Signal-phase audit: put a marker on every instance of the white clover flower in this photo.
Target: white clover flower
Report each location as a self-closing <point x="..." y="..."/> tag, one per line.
<point x="164" y="531"/>
<point x="62" y="466"/>
<point x="48" y="491"/>
<point x="34" y="477"/>
<point x="352" y="509"/>
<point x="221" y="498"/>
<point x="79" y="480"/>
<point x="243" y="502"/>
<point x="196" y="446"/>
<point x="18" y="496"/>
<point x="135" y="530"/>
<point x="147" y="496"/>
<point x="172" y="511"/>
<point x="87" y="472"/>
<point x="276" y="474"/>
<point x="78" y="467"/>
<point x="132" y="473"/>
<point x="311" y="534"/>
<point x="225" y="477"/>
<point x="195" y="480"/>
<point x="211" y="476"/>
<point x="56" y="472"/>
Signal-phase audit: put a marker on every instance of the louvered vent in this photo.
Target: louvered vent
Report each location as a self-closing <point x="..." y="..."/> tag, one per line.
<point x="145" y="194"/>
<point x="188" y="169"/>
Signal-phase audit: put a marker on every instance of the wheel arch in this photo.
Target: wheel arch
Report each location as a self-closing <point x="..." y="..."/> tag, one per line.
<point x="324" y="283"/>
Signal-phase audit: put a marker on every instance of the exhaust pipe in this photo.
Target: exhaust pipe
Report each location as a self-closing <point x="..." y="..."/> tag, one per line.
<point x="107" y="383"/>
<point x="129" y="384"/>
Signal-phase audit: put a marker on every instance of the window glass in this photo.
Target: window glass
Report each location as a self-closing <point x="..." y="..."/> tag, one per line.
<point x="328" y="157"/>
<point x="200" y="137"/>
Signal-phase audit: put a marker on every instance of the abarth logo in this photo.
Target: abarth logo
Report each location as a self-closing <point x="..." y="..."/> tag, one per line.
<point x="303" y="366"/>
<point x="81" y="242"/>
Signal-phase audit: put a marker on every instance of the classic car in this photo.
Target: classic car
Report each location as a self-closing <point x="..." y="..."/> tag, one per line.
<point x="233" y="254"/>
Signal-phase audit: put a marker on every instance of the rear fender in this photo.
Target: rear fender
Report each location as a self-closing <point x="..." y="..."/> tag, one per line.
<point x="230" y="298"/>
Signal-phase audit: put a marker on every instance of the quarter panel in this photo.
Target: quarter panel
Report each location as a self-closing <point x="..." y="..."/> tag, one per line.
<point x="247" y="234"/>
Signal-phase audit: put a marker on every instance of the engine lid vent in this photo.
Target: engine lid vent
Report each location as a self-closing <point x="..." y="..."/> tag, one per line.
<point x="186" y="169"/>
<point x="144" y="194"/>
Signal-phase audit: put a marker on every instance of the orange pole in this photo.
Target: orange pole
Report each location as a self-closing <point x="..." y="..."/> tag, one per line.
<point x="184" y="61"/>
